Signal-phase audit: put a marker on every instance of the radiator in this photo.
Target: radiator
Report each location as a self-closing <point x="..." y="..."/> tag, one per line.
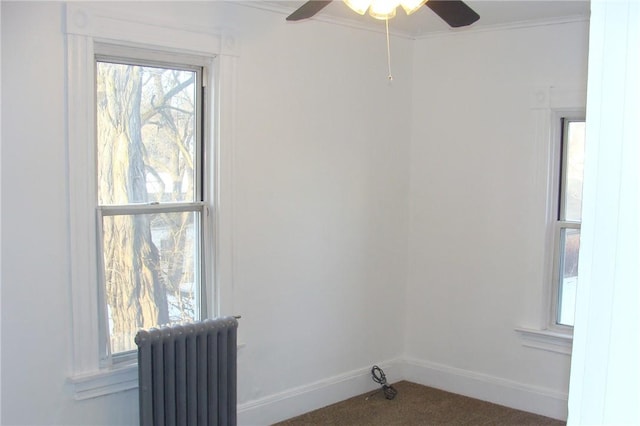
<point x="187" y="374"/>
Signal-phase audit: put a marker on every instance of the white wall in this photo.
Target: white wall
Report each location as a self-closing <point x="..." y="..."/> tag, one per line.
<point x="35" y="303"/>
<point x="338" y="177"/>
<point x="476" y="240"/>
<point x="321" y="195"/>
<point x="320" y="190"/>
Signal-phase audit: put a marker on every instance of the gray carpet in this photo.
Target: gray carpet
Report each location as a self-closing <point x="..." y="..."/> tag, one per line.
<point x="417" y="405"/>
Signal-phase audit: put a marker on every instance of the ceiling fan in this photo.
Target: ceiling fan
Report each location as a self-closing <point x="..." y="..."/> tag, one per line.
<point x="454" y="12"/>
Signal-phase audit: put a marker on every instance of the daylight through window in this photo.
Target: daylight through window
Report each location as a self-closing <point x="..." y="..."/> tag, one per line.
<point x="150" y="196"/>
<point x="569" y="217"/>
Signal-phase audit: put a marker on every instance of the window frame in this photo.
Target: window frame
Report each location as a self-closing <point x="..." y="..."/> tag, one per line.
<point x="201" y="204"/>
<point x="98" y="27"/>
<point x="561" y="120"/>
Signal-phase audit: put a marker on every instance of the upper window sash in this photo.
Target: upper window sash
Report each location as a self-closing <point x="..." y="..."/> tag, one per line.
<point x="197" y="66"/>
<point x="566" y="211"/>
<point x="137" y="58"/>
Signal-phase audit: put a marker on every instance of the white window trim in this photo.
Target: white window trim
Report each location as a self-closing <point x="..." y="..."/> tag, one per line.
<point x="548" y="106"/>
<point x="86" y="25"/>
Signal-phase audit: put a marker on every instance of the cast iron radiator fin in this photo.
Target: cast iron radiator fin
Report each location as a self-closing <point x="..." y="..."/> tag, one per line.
<point x="187" y="374"/>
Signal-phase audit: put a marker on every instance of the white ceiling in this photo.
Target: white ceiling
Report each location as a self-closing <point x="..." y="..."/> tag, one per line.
<point x="493" y="13"/>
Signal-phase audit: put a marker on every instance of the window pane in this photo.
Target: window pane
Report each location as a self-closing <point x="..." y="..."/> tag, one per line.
<point x="573" y="173"/>
<point x="146" y="134"/>
<point x="570" y="246"/>
<point x="151" y="272"/>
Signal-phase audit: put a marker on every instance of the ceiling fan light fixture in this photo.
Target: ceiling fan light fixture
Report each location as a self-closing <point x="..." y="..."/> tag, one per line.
<point x="358" y="6"/>
<point x="383" y="9"/>
<point x="411" y="6"/>
<point x="454" y="12"/>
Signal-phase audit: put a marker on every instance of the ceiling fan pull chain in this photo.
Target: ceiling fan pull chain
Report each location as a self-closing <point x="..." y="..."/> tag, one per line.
<point x="390" y="77"/>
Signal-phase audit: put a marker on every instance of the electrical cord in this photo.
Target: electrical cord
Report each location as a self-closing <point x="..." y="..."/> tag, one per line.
<point x="378" y="376"/>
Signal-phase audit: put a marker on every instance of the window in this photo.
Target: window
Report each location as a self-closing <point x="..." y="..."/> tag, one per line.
<point x="151" y="201"/>
<point x="557" y="119"/>
<point x="568" y="216"/>
<point x="164" y="210"/>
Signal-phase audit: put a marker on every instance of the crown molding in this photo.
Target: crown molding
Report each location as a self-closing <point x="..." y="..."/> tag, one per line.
<point x="505" y="27"/>
<point x="373" y="25"/>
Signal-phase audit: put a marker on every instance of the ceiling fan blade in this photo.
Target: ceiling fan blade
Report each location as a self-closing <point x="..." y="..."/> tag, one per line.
<point x="454" y="12"/>
<point x="308" y="9"/>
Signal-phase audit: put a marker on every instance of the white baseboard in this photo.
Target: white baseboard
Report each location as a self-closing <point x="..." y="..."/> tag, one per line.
<point x="545" y="402"/>
<point x="302" y="399"/>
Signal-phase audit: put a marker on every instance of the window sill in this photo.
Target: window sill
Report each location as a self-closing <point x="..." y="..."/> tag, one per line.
<point x="548" y="340"/>
<point x="108" y="381"/>
<point x="104" y="382"/>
